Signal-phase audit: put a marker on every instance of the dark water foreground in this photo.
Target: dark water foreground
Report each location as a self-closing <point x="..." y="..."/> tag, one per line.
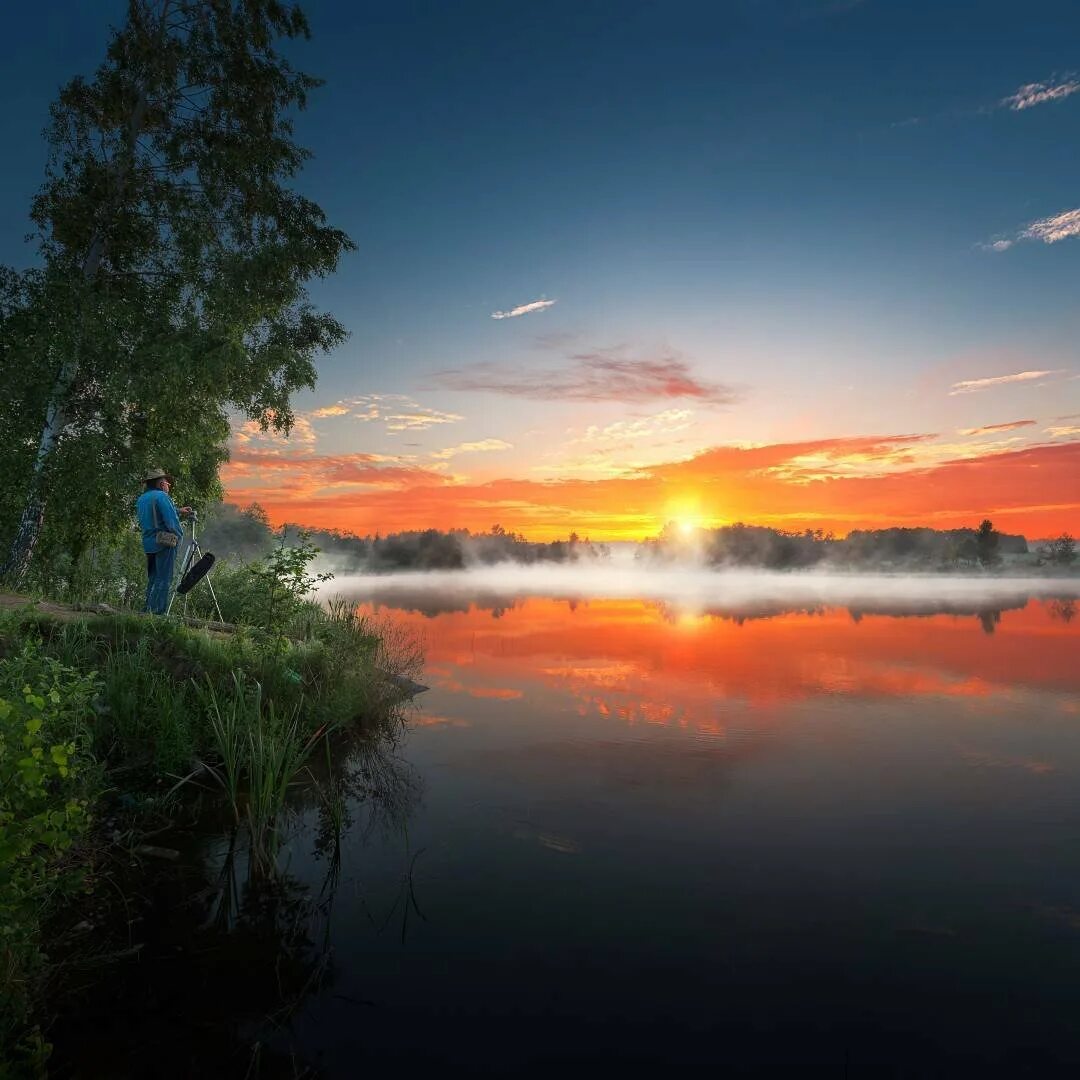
<point x="617" y="834"/>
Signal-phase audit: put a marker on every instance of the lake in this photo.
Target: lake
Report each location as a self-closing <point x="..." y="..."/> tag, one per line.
<point x="648" y="831"/>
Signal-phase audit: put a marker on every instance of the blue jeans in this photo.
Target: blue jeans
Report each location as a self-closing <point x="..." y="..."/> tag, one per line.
<point x="159" y="572"/>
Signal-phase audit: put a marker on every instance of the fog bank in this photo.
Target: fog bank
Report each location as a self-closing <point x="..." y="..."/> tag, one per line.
<point x="701" y="590"/>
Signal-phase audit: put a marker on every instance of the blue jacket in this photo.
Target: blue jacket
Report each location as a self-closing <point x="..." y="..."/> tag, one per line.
<point x="167" y="518"/>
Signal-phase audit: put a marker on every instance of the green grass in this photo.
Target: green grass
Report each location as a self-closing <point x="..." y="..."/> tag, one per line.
<point x="162" y="680"/>
<point x="276" y="751"/>
<point x="147" y="699"/>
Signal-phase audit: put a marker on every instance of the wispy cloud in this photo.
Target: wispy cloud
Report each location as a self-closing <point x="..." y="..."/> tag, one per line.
<point x="419" y="420"/>
<point x="993" y="429"/>
<point x="668" y="422"/>
<point x="599" y="375"/>
<point x="1056" y="88"/>
<point x="970" y="386"/>
<point x="622" y="447"/>
<point x="1048" y="230"/>
<point x="397" y="411"/>
<point x="524" y="309"/>
<point x="1038" y="93"/>
<point x="301" y="438"/>
<point x="1052" y="229"/>
<point x="268" y="473"/>
<point x="482" y="447"/>
<point x="1065" y="431"/>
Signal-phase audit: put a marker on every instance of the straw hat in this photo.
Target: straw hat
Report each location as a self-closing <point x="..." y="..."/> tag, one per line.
<point x="158" y="474"/>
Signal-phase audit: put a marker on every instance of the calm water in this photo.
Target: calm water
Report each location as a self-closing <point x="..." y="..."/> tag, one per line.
<point x="617" y="832"/>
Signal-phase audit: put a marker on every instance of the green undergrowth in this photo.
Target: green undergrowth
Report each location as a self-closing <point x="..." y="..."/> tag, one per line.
<point x="98" y="709"/>
<point x="157" y="677"/>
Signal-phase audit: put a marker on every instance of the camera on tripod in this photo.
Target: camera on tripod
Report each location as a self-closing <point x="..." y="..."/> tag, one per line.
<point x="196" y="565"/>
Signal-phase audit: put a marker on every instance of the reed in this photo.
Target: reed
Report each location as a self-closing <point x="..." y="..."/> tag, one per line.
<point x="276" y="751"/>
<point x="230" y="723"/>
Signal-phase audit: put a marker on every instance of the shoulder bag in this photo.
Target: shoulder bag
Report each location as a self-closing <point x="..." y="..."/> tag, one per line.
<point x="163" y="537"/>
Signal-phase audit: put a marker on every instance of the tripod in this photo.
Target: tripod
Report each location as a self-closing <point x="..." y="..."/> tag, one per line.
<point x="194" y="550"/>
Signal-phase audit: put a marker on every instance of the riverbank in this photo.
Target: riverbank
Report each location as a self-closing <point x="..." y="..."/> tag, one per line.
<point x="106" y="722"/>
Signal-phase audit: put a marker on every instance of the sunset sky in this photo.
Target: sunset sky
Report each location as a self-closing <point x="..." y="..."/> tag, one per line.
<point x="794" y="262"/>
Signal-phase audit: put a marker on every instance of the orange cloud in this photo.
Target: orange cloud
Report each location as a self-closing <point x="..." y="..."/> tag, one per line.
<point x="993" y="429"/>
<point x="598" y="375"/>
<point x="838" y="484"/>
<point x="275" y="478"/>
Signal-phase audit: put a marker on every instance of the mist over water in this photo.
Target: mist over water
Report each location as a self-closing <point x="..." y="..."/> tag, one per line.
<point x="698" y="590"/>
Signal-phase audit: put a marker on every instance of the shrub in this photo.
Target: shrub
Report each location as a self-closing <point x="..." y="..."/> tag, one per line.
<point x="45" y="775"/>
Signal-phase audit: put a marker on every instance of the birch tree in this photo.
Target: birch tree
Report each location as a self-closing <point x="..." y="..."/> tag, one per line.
<point x="174" y="259"/>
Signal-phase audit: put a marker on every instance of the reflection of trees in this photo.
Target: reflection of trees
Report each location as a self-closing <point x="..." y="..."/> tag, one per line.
<point x="227" y="955"/>
<point x="433" y="602"/>
<point x="442" y="601"/>
<point x="1061" y="610"/>
<point x="224" y="958"/>
<point x="362" y="786"/>
<point x="989" y="616"/>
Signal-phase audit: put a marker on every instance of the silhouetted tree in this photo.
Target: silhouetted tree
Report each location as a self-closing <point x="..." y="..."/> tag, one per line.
<point x="1061" y="551"/>
<point x="986" y="543"/>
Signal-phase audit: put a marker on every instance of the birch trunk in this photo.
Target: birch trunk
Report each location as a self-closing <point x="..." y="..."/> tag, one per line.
<point x="57" y="413"/>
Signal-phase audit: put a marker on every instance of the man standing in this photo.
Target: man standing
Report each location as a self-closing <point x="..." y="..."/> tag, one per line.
<point x="159" y="520"/>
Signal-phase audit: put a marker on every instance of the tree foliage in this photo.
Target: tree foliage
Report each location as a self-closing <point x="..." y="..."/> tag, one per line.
<point x="1061" y="551"/>
<point x="777" y="549"/>
<point x="174" y="259"/>
<point x="986" y="543"/>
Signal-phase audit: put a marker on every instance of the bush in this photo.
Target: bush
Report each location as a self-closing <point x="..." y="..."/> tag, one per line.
<point x="266" y="593"/>
<point x="45" y="779"/>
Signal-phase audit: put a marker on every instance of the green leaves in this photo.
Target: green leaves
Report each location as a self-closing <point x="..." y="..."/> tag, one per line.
<point x="43" y="803"/>
<point x="175" y="263"/>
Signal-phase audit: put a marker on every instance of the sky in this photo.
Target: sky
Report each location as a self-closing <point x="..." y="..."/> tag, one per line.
<point x="804" y="263"/>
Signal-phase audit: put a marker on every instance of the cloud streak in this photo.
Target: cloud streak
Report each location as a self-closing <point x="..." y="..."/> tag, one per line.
<point x="1053" y="229"/>
<point x="994" y="429"/>
<point x="598" y="375"/>
<point x="1048" y="230"/>
<point x="524" y="309"/>
<point x="484" y="446"/>
<point x="268" y="475"/>
<point x="397" y="411"/>
<point x="972" y="386"/>
<point x="419" y="419"/>
<point x="1038" y="93"/>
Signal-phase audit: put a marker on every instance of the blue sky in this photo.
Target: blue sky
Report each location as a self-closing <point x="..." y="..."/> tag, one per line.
<point x="795" y="199"/>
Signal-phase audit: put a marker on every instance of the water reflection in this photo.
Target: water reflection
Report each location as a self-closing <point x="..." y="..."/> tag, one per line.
<point x="627" y="832"/>
<point x="654" y="662"/>
<point x="227" y="953"/>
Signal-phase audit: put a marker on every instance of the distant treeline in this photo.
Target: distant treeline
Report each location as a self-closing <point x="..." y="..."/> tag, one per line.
<point x="755" y="545"/>
<point x="246" y="534"/>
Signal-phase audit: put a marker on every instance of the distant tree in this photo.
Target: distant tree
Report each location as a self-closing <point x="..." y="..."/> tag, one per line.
<point x="1060" y="551"/>
<point x="986" y="543"/>
<point x="173" y="261"/>
<point x="231" y="531"/>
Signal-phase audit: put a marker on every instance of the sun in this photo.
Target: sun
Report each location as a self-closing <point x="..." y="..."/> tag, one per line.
<point x="688" y="527"/>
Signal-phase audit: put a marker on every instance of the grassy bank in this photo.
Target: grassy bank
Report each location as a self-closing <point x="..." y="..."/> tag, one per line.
<point x="123" y="710"/>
